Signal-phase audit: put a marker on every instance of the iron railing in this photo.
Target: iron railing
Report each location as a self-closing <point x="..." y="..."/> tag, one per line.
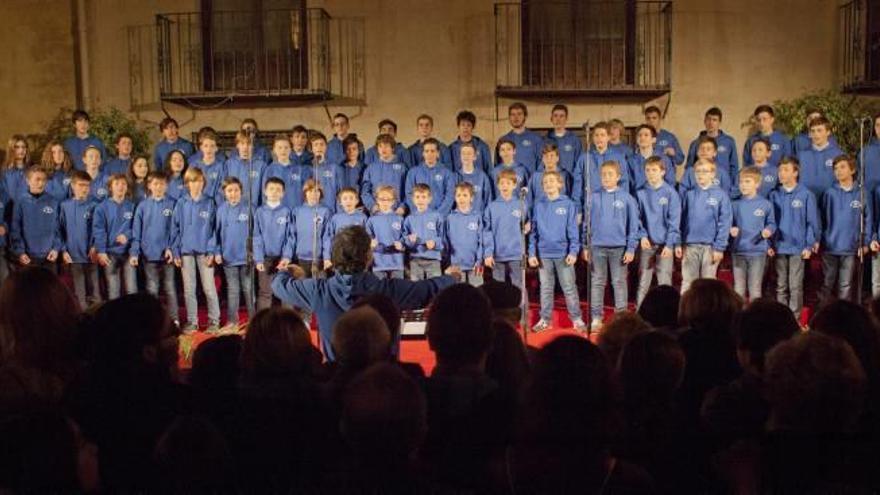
<point x="594" y="46"/>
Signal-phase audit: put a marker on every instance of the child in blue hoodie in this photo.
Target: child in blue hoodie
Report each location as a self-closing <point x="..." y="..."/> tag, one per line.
<point x="248" y="169"/>
<point x="192" y="243"/>
<point x="34" y="232"/>
<point x="423" y="236"/>
<point x="386" y="231"/>
<point x="464" y="235"/>
<point x="527" y="143"/>
<point x="292" y="175"/>
<point x="138" y="169"/>
<point x="611" y="241"/>
<point x="666" y="141"/>
<point x="151" y="241"/>
<point x="211" y="164"/>
<point x="76" y="239"/>
<point x="754" y="222"/>
<point x="92" y="162"/>
<point x="387" y="170"/>
<point x="466" y="122"/>
<point x="779" y="145"/>
<point x="817" y="161"/>
<point x="111" y="235"/>
<point x="646" y="147"/>
<point x="352" y="167"/>
<point x="299" y="147"/>
<point x="273" y="248"/>
<point x="706" y="219"/>
<point x="841" y="212"/>
<point x="504" y="222"/>
<point x="307" y="232"/>
<point x="171" y="141"/>
<point x="56" y="163"/>
<point x="600" y="153"/>
<point x="554" y="245"/>
<point x="660" y="213"/>
<point x="568" y="143"/>
<point x="474" y="176"/>
<point x="175" y="166"/>
<point x="399" y="153"/>
<point x="761" y="154"/>
<point x="797" y="234"/>
<point x="506" y="151"/>
<point x="233" y="224"/>
<point x="550" y="163"/>
<point x="728" y="158"/>
<point x="441" y="179"/>
<point x="424" y="130"/>
<point x="348" y="215"/>
<point x="327" y="174"/>
<point x="707" y="149"/>
<point x="82" y="139"/>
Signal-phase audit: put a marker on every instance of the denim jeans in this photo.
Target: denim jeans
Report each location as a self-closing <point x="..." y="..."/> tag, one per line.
<point x="421" y="269"/>
<point x="191" y="263"/>
<point x="265" y="299"/>
<point x="875" y="276"/>
<point x="748" y="273"/>
<point x="549" y="269"/>
<point x="151" y="274"/>
<point x="472" y="277"/>
<point x="649" y="262"/>
<point x="386" y="274"/>
<point x="238" y="280"/>
<point x="85" y="276"/>
<point x="837" y="268"/>
<point x="112" y="272"/>
<point x="697" y="263"/>
<point x="604" y="258"/>
<point x="508" y="271"/>
<point x="790" y="282"/>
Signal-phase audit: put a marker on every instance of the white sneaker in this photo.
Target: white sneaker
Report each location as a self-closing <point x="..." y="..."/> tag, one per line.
<point x="541" y="325"/>
<point x="579" y="325"/>
<point x="596" y="325"/>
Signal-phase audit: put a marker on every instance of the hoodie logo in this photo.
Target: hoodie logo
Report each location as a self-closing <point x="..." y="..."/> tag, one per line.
<point x="101" y="192"/>
<point x="829" y="163"/>
<point x="127" y="215"/>
<point x="477" y="188"/>
<point x="722" y="149"/>
<point x="568" y="148"/>
<point x="797" y="203"/>
<point x="66" y="181"/>
<point x="48" y="210"/>
<point x="254" y="174"/>
<point x="438" y="177"/>
<point x="855" y="204"/>
<point x="760" y="212"/>
<point x="617" y="204"/>
<point x="396" y="166"/>
<point x="663" y="200"/>
<point x="204" y="214"/>
<point x="516" y="213"/>
<point x="213" y="175"/>
<point x="328" y="174"/>
<point x="166" y="212"/>
<point x="712" y="202"/>
<point x="395" y="225"/>
<point x="430" y="226"/>
<point x="87" y="215"/>
<point x="472" y="225"/>
<point x="281" y="220"/>
<point x="526" y="142"/>
<point x="663" y="143"/>
<point x="769" y="178"/>
<point x="774" y="147"/>
<point x="561" y="211"/>
<point x="242" y="217"/>
<point x="295" y="177"/>
<point x="716" y="182"/>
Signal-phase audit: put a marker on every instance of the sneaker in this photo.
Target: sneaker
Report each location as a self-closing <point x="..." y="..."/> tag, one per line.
<point x="579" y="325"/>
<point x="541" y="325"/>
<point x="213" y="328"/>
<point x="596" y="325"/>
<point x="189" y="328"/>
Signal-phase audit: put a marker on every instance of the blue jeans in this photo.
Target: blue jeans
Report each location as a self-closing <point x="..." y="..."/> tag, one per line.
<point x="508" y="271"/>
<point x="238" y="280"/>
<point x="697" y="263"/>
<point x="85" y="275"/>
<point x="790" y="282"/>
<point x="748" y="273"/>
<point x="191" y="263"/>
<point x="649" y="262"/>
<point x="837" y="268"/>
<point x="387" y="274"/>
<point x="875" y="276"/>
<point x="421" y="269"/>
<point x="472" y="277"/>
<point x="551" y="268"/>
<point x="605" y="258"/>
<point x="112" y="272"/>
<point x="151" y="273"/>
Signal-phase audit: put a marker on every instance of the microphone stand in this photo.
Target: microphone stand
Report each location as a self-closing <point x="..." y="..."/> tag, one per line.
<point x="861" y="255"/>
<point x="523" y="262"/>
<point x="249" y="244"/>
<point x="588" y="227"/>
<point x="314" y="267"/>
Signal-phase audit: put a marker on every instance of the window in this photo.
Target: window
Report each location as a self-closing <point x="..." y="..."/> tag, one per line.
<point x="860" y="46"/>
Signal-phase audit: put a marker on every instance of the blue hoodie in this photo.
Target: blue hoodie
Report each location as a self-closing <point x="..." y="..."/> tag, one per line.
<point x="139" y="192"/>
<point x="335" y="153"/>
<point x="260" y="153"/>
<point x="483" y="160"/>
<point x="35" y="225"/>
<point x="238" y="168"/>
<point x="192" y="226"/>
<point x="214" y="175"/>
<point x="536" y="188"/>
<point x="386" y="229"/>
<point x="381" y="173"/>
<point x="58" y="186"/>
<point x="401" y="154"/>
<point x="660" y="214"/>
<point x="727" y="158"/>
<point x="840" y="212"/>
<point x="232" y="233"/>
<point x="442" y="182"/>
<point x="351" y="176"/>
<point x="528" y="148"/>
<point x="817" y="168"/>
<point x="802" y="142"/>
<point x="464" y="239"/>
<point x="706" y="217"/>
<point x="780" y="147"/>
<point x="76" y="147"/>
<point x="76" y="228"/>
<point x="307" y="220"/>
<point x="769" y="179"/>
<point x="522" y="176"/>
<point x="117" y="166"/>
<point x="614" y="220"/>
<point x="330" y="179"/>
<point x="151" y="230"/>
<point x="98" y="189"/>
<point x="111" y="220"/>
<point x="416" y="156"/>
<point x="164" y="148"/>
<point x="636" y="164"/>
<point x="570" y="149"/>
<point x="15" y="183"/>
<point x="666" y="139"/>
<point x="273" y="233"/>
<point x="176" y="188"/>
<point x="427" y="226"/>
<point x="303" y="159"/>
<point x="752" y="216"/>
<point x="294" y="178"/>
<point x="797" y="219"/>
<point x="338" y="222"/>
<point x="722" y="180"/>
<point x="502" y="232"/>
<point x="872" y="161"/>
<point x="596" y="160"/>
<point x="482" y="187"/>
<point x="554" y="232"/>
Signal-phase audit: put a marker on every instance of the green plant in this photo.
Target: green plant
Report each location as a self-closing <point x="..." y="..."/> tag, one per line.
<point x="107" y="124"/>
<point x="842" y="110"/>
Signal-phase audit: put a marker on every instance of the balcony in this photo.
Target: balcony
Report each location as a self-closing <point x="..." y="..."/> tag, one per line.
<point x="604" y="48"/>
<point x="860" y="47"/>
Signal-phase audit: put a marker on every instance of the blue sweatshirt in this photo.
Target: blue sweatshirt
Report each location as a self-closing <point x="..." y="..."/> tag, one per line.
<point x="330" y="179"/>
<point x="797" y="219"/>
<point x="238" y="168"/>
<point x="536" y="188"/>
<point x="176" y="188"/>
<point x="769" y="179"/>
<point x="660" y="214"/>
<point x="502" y="229"/>
<point x="427" y="226"/>
<point x="482" y="187"/>
<point x="111" y="220"/>
<point x="351" y="175"/>
<point x="304" y="158"/>
<point x="192" y="226"/>
<point x="442" y="182"/>
<point x="58" y="186"/>
<point x="614" y="220"/>
<point x="752" y="216"/>
<point x="802" y="142"/>
<point x="273" y="233"/>
<point x="817" y="169"/>
<point x="214" y="175"/>
<point x="335" y="153"/>
<point x="570" y="149"/>
<point x="727" y="158"/>
<point x="840" y="214"/>
<point x="35" y="223"/>
<point x="117" y="166"/>
<point x="464" y="239"/>
<point x="76" y="228"/>
<point x="554" y="231"/>
<point x="706" y="217"/>
<point x="483" y="160"/>
<point x="666" y="139"/>
<point x="381" y="173"/>
<point x="151" y="229"/>
<point x="636" y="163"/>
<point x="294" y="177"/>
<point x="596" y="160"/>
<point x="138" y="192"/>
<point x="416" y="156"/>
<point x="722" y="180"/>
<point x="259" y="152"/>
<point x="522" y="176"/>
<point x="872" y="164"/>
<point x="621" y="147"/>
<point x="163" y="148"/>
<point x="386" y="229"/>
<point x="338" y="222"/>
<point x="98" y="190"/>
<point x="401" y="154"/>
<point x="232" y="233"/>
<point x="528" y="148"/>
<point x="780" y="147"/>
<point x="307" y="221"/>
<point x="76" y="147"/>
<point x="15" y="183"/>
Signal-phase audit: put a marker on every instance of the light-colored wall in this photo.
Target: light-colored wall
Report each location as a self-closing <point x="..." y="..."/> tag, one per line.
<point x="437" y="56"/>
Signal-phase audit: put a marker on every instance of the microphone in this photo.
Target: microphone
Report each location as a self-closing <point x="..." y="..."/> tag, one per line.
<point x="523" y="191"/>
